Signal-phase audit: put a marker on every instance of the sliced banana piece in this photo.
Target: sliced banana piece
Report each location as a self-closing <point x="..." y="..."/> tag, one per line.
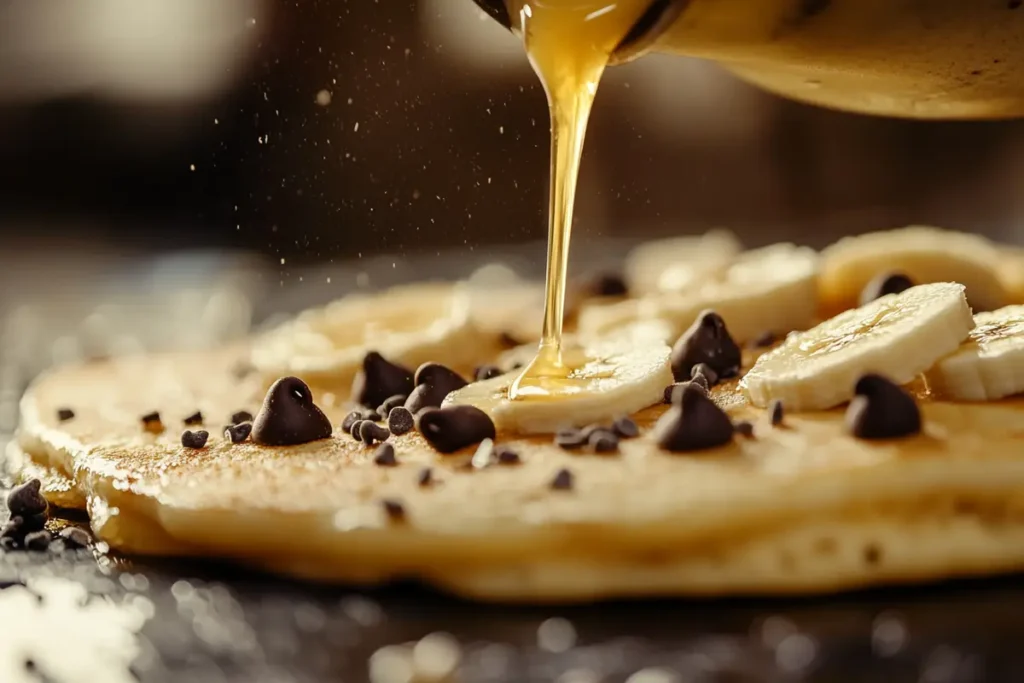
<point x="765" y="290"/>
<point x="989" y="364"/>
<point x="1011" y="271"/>
<point x="503" y="303"/>
<point x="679" y="262"/>
<point x="609" y="380"/>
<point x="924" y="254"/>
<point x="409" y="325"/>
<point x="897" y="335"/>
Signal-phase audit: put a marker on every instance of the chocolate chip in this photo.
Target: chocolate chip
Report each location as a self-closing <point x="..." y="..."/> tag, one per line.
<point x="356" y="430"/>
<point x="701" y="381"/>
<point x="241" y="416"/>
<point x="563" y="480"/>
<point x="706" y="341"/>
<point x="703" y="373"/>
<point x="609" y="284"/>
<point x="450" y="429"/>
<point x="379" y="380"/>
<point x="289" y="417"/>
<point x="425" y="477"/>
<point x="26" y="500"/>
<point x="570" y="438"/>
<point x="400" y="421"/>
<point x="8" y="543"/>
<point x="508" y="341"/>
<point x="764" y="340"/>
<point x="238" y="433"/>
<point x="745" y="428"/>
<point x="34" y="522"/>
<point x="151" y="422"/>
<point x="776" y="410"/>
<point x="625" y="428"/>
<point x="442" y="378"/>
<point x="384" y="456"/>
<point x="673" y="392"/>
<point x="195" y="418"/>
<point x="881" y="409"/>
<point x="603" y="441"/>
<point x="505" y="455"/>
<point x="38" y="540"/>
<point x="884" y="283"/>
<point x="486" y="372"/>
<point x="424" y="396"/>
<point x="74" y="537"/>
<point x="14" y="528"/>
<point x="65" y="414"/>
<point x="693" y="424"/>
<point x="370" y="432"/>
<point x="194" y="439"/>
<point x="393" y="509"/>
<point x="385" y="408"/>
<point x="351" y="419"/>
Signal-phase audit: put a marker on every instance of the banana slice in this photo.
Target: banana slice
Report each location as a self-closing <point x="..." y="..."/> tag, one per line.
<point x="923" y="254"/>
<point x="670" y="265"/>
<point x="409" y="325"/>
<point x="765" y="290"/>
<point x="502" y="302"/>
<point x="989" y="365"/>
<point x="897" y="335"/>
<point x="610" y="380"/>
<point x="1011" y="271"/>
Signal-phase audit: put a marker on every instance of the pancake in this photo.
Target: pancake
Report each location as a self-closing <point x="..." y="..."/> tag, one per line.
<point x="801" y="508"/>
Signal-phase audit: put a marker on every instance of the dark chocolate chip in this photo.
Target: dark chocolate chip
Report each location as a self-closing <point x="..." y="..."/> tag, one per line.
<point x="425" y="396"/>
<point x="385" y="408"/>
<point x="563" y="480"/>
<point x="764" y="340"/>
<point x="515" y="366"/>
<point x="151" y="422"/>
<point x="486" y="372"/>
<point x="8" y="542"/>
<point x="745" y="428"/>
<point x="443" y="379"/>
<point x="701" y="381"/>
<point x="38" y="540"/>
<point x="674" y="392"/>
<point x="289" y="416"/>
<point x="508" y="341"/>
<point x="65" y="414"/>
<point x="74" y="537"/>
<point x="706" y="341"/>
<point x="14" y="528"/>
<point x="241" y="416"/>
<point x="776" y="410"/>
<point x="351" y="419"/>
<point x="693" y="424"/>
<point x="625" y="428"/>
<point x="505" y="455"/>
<point x="26" y="500"/>
<point x="34" y="522"/>
<point x="393" y="509"/>
<point x="400" y="420"/>
<point x="570" y="438"/>
<point x="371" y="431"/>
<point x="194" y="439"/>
<point x="356" y="430"/>
<point x="884" y="283"/>
<point x="881" y="409"/>
<point x="425" y="477"/>
<point x="603" y="441"/>
<point x="705" y="372"/>
<point x="384" y="456"/>
<point x="239" y="432"/>
<point x="195" y="418"/>
<point x="450" y="429"/>
<point x="379" y="380"/>
<point x="609" y="284"/>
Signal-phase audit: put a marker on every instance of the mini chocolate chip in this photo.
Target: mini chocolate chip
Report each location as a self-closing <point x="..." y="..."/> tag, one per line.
<point x="693" y="424"/>
<point x="393" y="509"/>
<point x="289" y="417"/>
<point x="65" y="414"/>
<point x="570" y="438"/>
<point x="486" y="372"/>
<point x="745" y="428"/>
<point x="625" y="428"/>
<point x="674" y="392"/>
<point x="444" y="380"/>
<point x="453" y="428"/>
<point x="508" y="341"/>
<point x="400" y="420"/>
<point x="195" y="418"/>
<point x="563" y="480"/>
<point x="379" y="380"/>
<point x="194" y="439"/>
<point x="706" y="341"/>
<point x="515" y="366"/>
<point x="776" y="410"/>
<point x="38" y="540"/>
<point x="151" y="422"/>
<point x="13" y="528"/>
<point x="425" y="396"/>
<point x="385" y="408"/>
<point x="884" y="283"/>
<point x="701" y="380"/>
<point x="505" y="455"/>
<point x="425" y="477"/>
<point x="881" y="409"/>
<point x="25" y="500"/>
<point x="609" y="284"/>
<point x="384" y="456"/>
<point x="371" y="431"/>
<point x="74" y="537"/>
<point x="603" y="441"/>
<point x="34" y="522"/>
<point x="241" y="416"/>
<point x="239" y="432"/>
<point x="704" y="371"/>
<point x="764" y="340"/>
<point x="351" y="419"/>
<point x="8" y="542"/>
<point x="356" y="430"/>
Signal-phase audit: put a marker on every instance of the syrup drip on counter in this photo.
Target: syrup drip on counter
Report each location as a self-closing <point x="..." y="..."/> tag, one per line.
<point x="569" y="43"/>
